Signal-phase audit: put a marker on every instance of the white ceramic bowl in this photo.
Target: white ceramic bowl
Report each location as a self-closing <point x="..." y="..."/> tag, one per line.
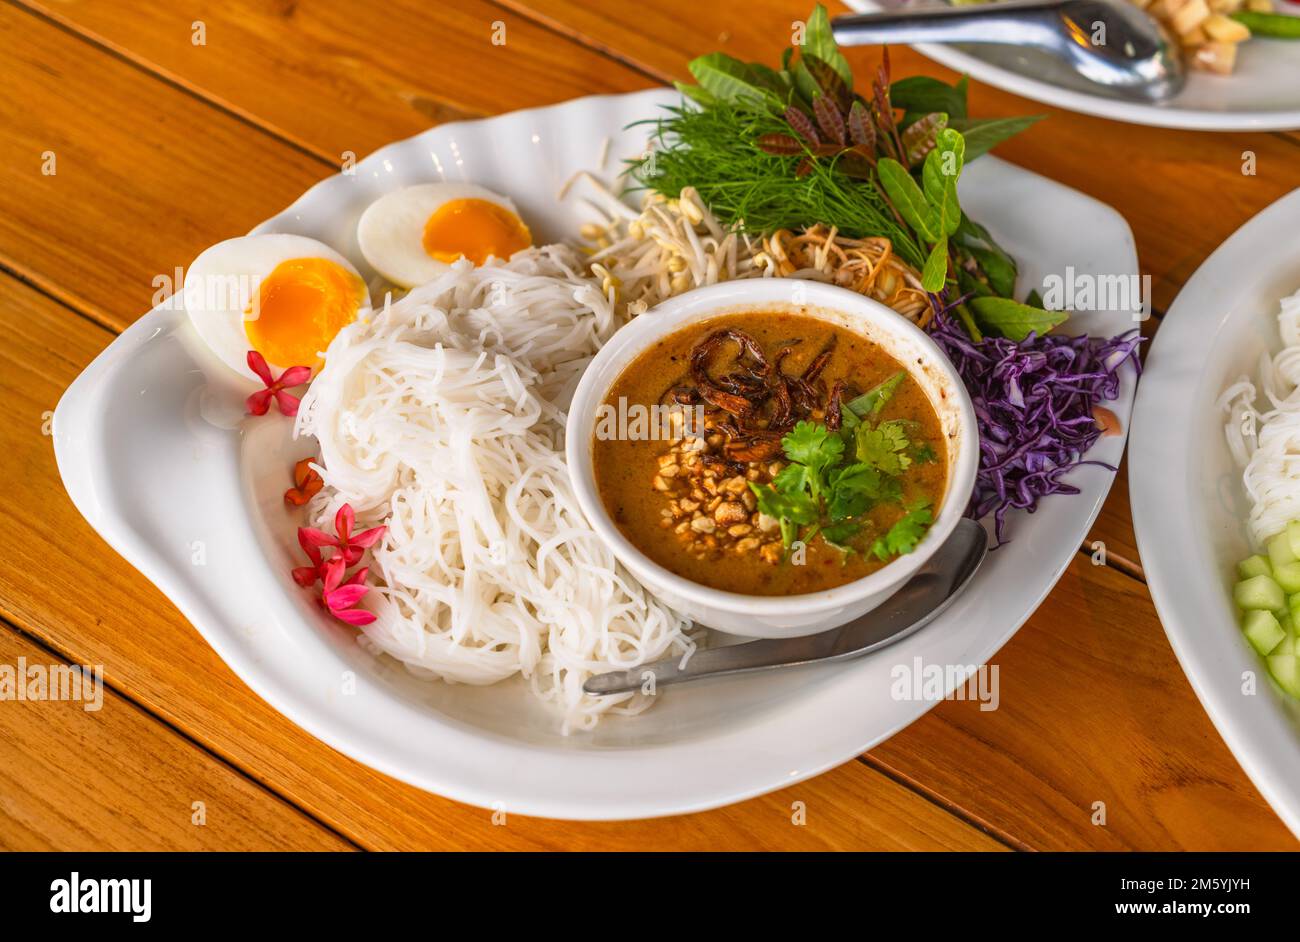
<point x="785" y="616"/>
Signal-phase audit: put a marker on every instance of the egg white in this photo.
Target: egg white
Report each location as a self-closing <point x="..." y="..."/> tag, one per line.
<point x="391" y="230"/>
<point x="222" y="282"/>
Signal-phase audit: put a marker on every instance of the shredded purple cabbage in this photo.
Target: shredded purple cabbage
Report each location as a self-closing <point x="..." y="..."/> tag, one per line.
<point x="1034" y="402"/>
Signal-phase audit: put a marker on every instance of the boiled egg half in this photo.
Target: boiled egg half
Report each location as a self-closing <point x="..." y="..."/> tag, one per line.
<point x="285" y="296"/>
<point x="412" y="235"/>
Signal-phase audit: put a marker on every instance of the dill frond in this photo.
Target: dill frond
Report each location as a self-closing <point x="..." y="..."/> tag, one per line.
<point x="712" y="150"/>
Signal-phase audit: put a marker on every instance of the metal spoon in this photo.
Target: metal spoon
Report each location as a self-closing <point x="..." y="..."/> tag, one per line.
<point x="925" y="595"/>
<point x="1115" y="45"/>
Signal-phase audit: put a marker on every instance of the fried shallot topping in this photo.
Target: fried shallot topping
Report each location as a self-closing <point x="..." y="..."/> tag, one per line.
<point x="761" y="401"/>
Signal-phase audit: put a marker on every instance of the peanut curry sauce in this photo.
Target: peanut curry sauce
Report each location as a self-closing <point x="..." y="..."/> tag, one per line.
<point x="687" y="501"/>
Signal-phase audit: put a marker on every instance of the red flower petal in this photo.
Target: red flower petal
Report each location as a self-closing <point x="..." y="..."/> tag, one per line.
<point x="257" y="363"/>
<point x="343" y="522"/>
<point x="354" y="616"/>
<point x="358" y="577"/>
<point x="332" y="574"/>
<point x="294" y="376"/>
<point x="288" y="404"/>
<point x="306" y="576"/>
<point x="258" y="402"/>
<point x="310" y="536"/>
<point x="345" y="596"/>
<point x="368" y="538"/>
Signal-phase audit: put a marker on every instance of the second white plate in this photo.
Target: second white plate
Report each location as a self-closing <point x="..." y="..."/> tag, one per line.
<point x="1189" y="506"/>
<point x="1261" y="95"/>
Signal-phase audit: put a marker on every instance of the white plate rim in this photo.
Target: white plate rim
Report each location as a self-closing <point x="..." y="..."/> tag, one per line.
<point x="1157" y="116"/>
<point x="1255" y="729"/>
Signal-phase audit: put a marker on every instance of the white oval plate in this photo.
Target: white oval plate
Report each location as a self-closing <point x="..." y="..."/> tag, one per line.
<point x="1261" y="95"/>
<point x="155" y="421"/>
<point x="1189" y="507"/>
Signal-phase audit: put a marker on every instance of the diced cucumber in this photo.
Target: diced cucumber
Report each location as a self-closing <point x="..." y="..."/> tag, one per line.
<point x="1293" y="537"/>
<point x="1288" y="577"/>
<point x="1259" y="592"/>
<point x="1262" y="630"/>
<point x="1285" y="646"/>
<point x="1293" y="604"/>
<point x="1286" y="621"/>
<point x="1279" y="550"/>
<point x="1254" y="566"/>
<point x="1285" y="669"/>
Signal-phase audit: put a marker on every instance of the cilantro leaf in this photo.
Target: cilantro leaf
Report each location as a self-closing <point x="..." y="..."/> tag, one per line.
<point x="792" y="479"/>
<point x="884" y="446"/>
<point x="905" y="534"/>
<point x="853" y="490"/>
<point x="813" y="444"/>
<point x="839" y="534"/>
<point x="924" y="454"/>
<point x="795" y="506"/>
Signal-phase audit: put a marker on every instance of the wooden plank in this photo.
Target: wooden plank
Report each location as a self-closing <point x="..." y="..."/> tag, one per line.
<point x="112" y="777"/>
<point x="1183" y="192"/>
<point x="145" y="177"/>
<point x="332" y="78"/>
<point x="151" y="175"/>
<point x="89" y="604"/>
<point x="1093" y="708"/>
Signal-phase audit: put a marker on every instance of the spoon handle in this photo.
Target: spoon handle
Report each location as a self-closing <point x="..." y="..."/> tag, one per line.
<point x="1022" y="24"/>
<point x="925" y="596"/>
<point x="733" y="659"/>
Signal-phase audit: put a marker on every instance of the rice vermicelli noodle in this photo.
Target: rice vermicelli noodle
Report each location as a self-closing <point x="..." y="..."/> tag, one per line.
<point x="443" y="418"/>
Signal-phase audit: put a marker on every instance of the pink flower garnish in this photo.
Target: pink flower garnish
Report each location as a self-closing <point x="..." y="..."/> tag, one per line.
<point x="350" y="547"/>
<point x="338" y="594"/>
<point x="306" y="576"/>
<point x="259" y="402"/>
<point x="340" y="597"/>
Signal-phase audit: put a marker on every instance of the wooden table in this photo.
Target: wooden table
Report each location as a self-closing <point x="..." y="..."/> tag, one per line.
<point x="163" y="144"/>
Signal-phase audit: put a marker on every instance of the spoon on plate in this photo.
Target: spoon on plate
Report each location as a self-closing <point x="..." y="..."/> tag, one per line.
<point x="1114" y="45"/>
<point x="922" y="599"/>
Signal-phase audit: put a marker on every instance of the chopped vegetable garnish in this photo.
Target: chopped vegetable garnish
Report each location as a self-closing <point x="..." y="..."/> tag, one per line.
<point x="835" y="477"/>
<point x="1034" y="403"/>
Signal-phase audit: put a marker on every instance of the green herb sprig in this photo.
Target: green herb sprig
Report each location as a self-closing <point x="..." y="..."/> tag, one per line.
<point x="790" y="147"/>
<point x="835" y="477"/>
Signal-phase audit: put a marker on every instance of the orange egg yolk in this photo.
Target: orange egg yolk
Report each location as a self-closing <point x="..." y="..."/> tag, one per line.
<point x="302" y="304"/>
<point x="474" y="229"/>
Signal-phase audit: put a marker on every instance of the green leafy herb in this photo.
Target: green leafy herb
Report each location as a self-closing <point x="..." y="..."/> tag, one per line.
<point x="905" y="534"/>
<point x="797" y="146"/>
<point x="935" y="273"/>
<point x="871" y="402"/>
<point x="998" y="267"/>
<point x="838" y="535"/>
<point x="819" y="41"/>
<point x="884" y="447"/>
<point x="982" y="135"/>
<point x="920" y="94"/>
<point x="827" y="488"/>
<point x="924" y="454"/>
<point x="1013" y="319"/>
<point x="942" y="168"/>
<point x="728" y="79"/>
